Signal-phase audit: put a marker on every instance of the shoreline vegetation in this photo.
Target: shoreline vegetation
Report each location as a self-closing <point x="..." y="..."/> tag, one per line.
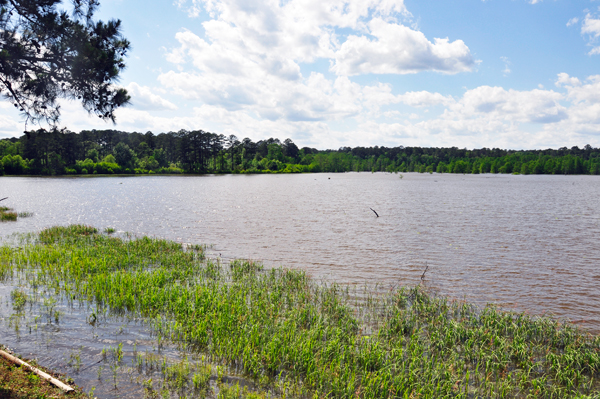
<point x="92" y="152"/>
<point x="294" y="337"/>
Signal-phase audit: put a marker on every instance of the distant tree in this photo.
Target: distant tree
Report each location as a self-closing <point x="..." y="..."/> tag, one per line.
<point x="124" y="156"/>
<point x="160" y="155"/>
<point x="46" y="54"/>
<point x="274" y="152"/>
<point x="232" y="142"/>
<point x="92" y="154"/>
<point x="290" y="149"/>
<point x="143" y="149"/>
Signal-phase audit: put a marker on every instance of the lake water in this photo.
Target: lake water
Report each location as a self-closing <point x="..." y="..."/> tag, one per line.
<point x="527" y="243"/>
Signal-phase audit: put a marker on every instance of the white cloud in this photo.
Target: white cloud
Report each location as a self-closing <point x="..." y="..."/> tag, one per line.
<point x="9" y="127"/>
<point x="565" y="80"/>
<point x="573" y="21"/>
<point x="277" y="36"/>
<point x="506" y="70"/>
<point x="496" y="103"/>
<point x="591" y="28"/>
<point x="398" y="49"/>
<point x="588" y="94"/>
<point x="425" y="99"/>
<point x="143" y="98"/>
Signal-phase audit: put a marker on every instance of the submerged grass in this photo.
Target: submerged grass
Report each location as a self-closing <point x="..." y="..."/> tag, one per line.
<point x="8" y="215"/>
<point x="297" y="338"/>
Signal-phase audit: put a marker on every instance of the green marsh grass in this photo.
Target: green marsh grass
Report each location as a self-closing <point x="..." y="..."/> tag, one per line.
<point x="8" y="215"/>
<point x="294" y="337"/>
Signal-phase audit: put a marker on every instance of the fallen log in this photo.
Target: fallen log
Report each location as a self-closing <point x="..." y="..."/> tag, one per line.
<point x="37" y="371"/>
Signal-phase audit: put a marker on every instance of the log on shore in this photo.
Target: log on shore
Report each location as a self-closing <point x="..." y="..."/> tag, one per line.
<point x="37" y="371"/>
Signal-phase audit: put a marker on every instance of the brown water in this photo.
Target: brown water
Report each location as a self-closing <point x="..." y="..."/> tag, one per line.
<point x="527" y="243"/>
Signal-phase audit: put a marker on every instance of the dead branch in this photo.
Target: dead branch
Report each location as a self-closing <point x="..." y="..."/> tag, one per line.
<point x="37" y="371"/>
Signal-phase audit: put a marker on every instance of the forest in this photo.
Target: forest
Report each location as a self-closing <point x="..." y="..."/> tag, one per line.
<point x="61" y="152"/>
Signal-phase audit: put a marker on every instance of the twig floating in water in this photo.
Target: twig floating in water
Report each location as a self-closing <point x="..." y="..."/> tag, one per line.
<point x="425" y="271"/>
<point x="374" y="212"/>
<point x="3" y="198"/>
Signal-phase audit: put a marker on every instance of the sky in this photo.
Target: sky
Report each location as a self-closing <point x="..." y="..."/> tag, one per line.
<point x="513" y="74"/>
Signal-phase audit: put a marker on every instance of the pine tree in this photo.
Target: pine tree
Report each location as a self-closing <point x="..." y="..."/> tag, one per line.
<point x="47" y="54"/>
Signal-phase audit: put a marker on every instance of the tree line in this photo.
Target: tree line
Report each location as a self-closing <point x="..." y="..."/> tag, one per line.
<point x="63" y="152"/>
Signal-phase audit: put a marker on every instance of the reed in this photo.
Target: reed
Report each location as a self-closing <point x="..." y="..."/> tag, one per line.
<point x="296" y="337"/>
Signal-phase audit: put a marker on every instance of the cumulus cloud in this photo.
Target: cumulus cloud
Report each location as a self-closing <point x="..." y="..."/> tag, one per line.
<point x="565" y="80"/>
<point x="590" y="27"/>
<point x="398" y="49"/>
<point x="497" y="103"/>
<point x="277" y="36"/>
<point x="424" y="99"/>
<point x="143" y="98"/>
<point x="588" y="93"/>
<point x="251" y="56"/>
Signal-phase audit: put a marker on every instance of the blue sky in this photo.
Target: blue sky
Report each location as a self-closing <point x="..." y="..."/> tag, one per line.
<point x="515" y="74"/>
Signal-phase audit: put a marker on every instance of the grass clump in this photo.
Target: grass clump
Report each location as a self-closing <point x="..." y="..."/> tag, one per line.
<point x="19" y="299"/>
<point x="297" y="338"/>
<point x="70" y="233"/>
<point x="8" y="215"/>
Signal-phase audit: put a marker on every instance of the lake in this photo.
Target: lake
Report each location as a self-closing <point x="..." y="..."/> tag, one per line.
<point x="526" y="243"/>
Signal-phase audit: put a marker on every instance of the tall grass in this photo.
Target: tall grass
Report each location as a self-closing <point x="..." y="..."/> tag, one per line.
<point x="300" y="338"/>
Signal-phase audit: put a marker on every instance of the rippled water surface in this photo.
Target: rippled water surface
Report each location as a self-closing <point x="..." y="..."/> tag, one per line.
<point x="525" y="242"/>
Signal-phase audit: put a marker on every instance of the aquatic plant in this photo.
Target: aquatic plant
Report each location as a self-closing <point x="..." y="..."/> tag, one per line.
<point x="19" y="299"/>
<point x="7" y="215"/>
<point x="296" y="337"/>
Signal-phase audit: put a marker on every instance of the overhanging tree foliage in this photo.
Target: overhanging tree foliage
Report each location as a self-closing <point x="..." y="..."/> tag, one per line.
<point x="47" y="54"/>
